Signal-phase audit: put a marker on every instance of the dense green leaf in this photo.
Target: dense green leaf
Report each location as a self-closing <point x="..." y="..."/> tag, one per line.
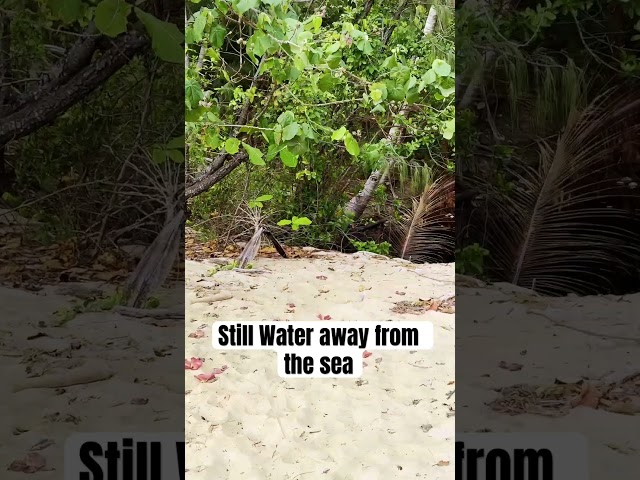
<point x="166" y="39"/>
<point x="244" y="5"/>
<point x="67" y="10"/>
<point x="339" y="133"/>
<point x="111" y="17"/>
<point x="288" y="158"/>
<point x="441" y="67"/>
<point x="232" y="146"/>
<point x="255" y="155"/>
<point x="352" y="145"/>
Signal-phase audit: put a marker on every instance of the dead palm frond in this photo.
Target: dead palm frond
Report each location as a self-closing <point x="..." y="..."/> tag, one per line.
<point x="553" y="230"/>
<point x="249" y="252"/>
<point x="420" y="233"/>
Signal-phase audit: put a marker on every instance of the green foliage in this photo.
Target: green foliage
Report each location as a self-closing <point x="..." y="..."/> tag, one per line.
<point x="470" y="260"/>
<point x="295" y="222"/>
<point x="102" y="304"/>
<point x="225" y="268"/>
<point x="311" y="97"/>
<point x="382" y="248"/>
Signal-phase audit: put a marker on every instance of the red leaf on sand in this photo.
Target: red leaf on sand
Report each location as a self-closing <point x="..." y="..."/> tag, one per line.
<point x="32" y="463"/>
<point x="211" y="377"/>
<point x="324" y="317"/>
<point x="193" y="364"/>
<point x="206" y="377"/>
<point x="291" y="305"/>
<point x="197" y="334"/>
<point x="366" y="354"/>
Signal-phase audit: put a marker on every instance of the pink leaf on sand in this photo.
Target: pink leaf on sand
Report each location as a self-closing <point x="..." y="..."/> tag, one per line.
<point x="197" y="334"/>
<point x="32" y="463"/>
<point x="291" y="305"/>
<point x="321" y="277"/>
<point x="206" y="377"/>
<point x="366" y="354"/>
<point x="324" y="317"/>
<point x="193" y="364"/>
<point x="211" y="377"/>
<point x="364" y="364"/>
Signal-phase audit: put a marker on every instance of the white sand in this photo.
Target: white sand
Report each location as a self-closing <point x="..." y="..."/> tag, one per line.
<point x="92" y="342"/>
<point x="394" y="422"/>
<point x="552" y="352"/>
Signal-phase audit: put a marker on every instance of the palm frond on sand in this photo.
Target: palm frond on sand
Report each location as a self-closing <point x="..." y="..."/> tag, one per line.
<point x="420" y="233"/>
<point x="557" y="229"/>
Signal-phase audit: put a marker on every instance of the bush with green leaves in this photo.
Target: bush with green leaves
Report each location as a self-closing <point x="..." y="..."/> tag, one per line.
<point x="308" y="95"/>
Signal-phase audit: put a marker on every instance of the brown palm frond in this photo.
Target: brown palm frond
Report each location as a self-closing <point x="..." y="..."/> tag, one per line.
<point x="423" y="232"/>
<point x="557" y="229"/>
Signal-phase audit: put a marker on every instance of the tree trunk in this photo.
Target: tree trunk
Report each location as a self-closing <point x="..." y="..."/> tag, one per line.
<point x="44" y="110"/>
<point x="358" y="204"/>
<point x="430" y="24"/>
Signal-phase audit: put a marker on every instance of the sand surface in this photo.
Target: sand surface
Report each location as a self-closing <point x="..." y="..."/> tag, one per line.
<point x="396" y="421"/>
<point x="131" y="362"/>
<point x="547" y="348"/>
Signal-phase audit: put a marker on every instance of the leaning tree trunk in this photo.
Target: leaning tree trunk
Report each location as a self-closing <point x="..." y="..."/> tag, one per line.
<point x="358" y="204"/>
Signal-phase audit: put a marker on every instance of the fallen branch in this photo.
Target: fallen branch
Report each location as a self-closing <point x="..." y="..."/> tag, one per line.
<point x="88" y="373"/>
<point x="583" y="330"/>
<point x="213" y="298"/>
<point x="156" y="313"/>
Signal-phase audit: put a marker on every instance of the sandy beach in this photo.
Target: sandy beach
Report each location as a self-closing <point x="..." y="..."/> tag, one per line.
<point x="99" y="372"/>
<point x="579" y="355"/>
<point x="396" y="421"/>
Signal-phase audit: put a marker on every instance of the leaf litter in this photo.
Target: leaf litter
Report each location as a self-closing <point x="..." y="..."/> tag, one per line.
<point x="560" y="398"/>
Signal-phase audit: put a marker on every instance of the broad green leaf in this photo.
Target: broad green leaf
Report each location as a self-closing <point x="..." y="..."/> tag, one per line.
<point x="339" y="134"/>
<point x="333" y="48"/>
<point x="302" y="221"/>
<point x="449" y="128"/>
<point x="277" y="134"/>
<point x="176" y="155"/>
<point x="166" y="39"/>
<point x="198" y="26"/>
<point x="441" y="67"/>
<point x="326" y="82"/>
<point x="245" y="5"/>
<point x="176" y="142"/>
<point x="282" y="223"/>
<point x="255" y="155"/>
<point x="333" y="61"/>
<point x="447" y="91"/>
<point x="394" y="91"/>
<point x="232" y="145"/>
<point x="264" y="198"/>
<point x="288" y="158"/>
<point x="192" y="93"/>
<point x="217" y="36"/>
<point x="159" y="155"/>
<point x="376" y="95"/>
<point x="111" y="17"/>
<point x="286" y="118"/>
<point x="352" y="145"/>
<point x="390" y="62"/>
<point x="212" y="141"/>
<point x="308" y="131"/>
<point x="67" y="10"/>
<point x="290" y="131"/>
